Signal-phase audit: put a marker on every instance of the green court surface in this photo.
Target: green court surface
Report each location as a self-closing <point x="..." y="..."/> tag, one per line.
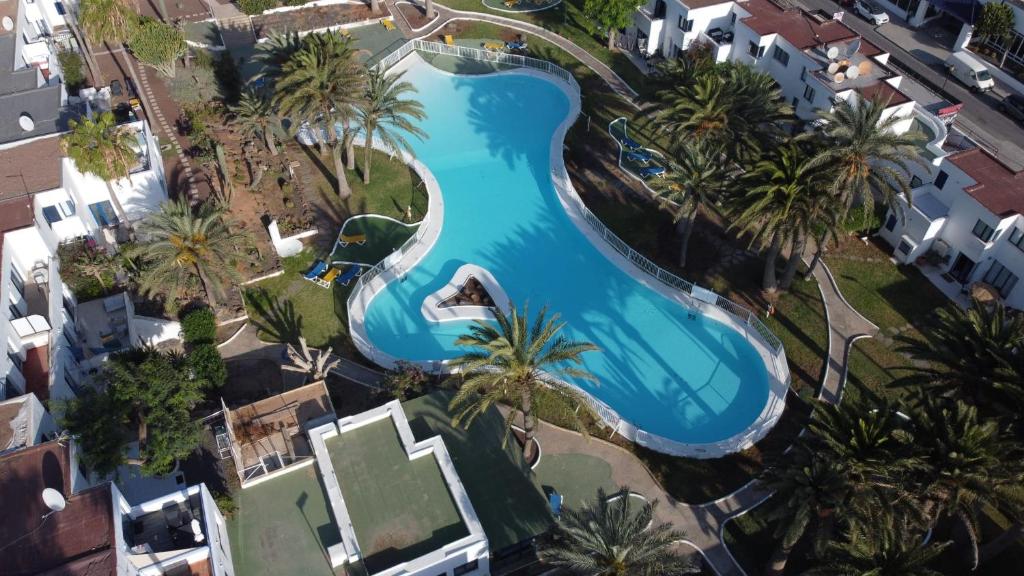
<point x="510" y="505"/>
<point x="576" y="477"/>
<point x="283" y="526"/>
<point x="382" y="237"/>
<point x="400" y="508"/>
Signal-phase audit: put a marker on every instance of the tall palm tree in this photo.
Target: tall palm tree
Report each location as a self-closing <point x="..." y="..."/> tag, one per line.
<point x="698" y="171"/>
<point x="320" y="84"/>
<point x="888" y="545"/>
<point x="385" y="114"/>
<point x="976" y="355"/>
<point x="767" y="203"/>
<point x="512" y="361"/>
<point x="254" y="117"/>
<point x="869" y="157"/>
<point x="105" y="22"/>
<point x="968" y="465"/>
<point x="810" y="490"/>
<point x="702" y="110"/>
<point x="183" y="246"/>
<point x="605" y="538"/>
<point x="273" y="54"/>
<point x="759" y="110"/>
<point x="103" y="149"/>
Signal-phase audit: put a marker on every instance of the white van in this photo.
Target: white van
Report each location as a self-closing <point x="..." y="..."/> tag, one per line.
<point x="970" y="71"/>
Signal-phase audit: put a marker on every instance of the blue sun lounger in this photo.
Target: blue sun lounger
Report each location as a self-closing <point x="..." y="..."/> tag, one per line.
<point x="641" y="156"/>
<point x="555" y="502"/>
<point x="630" y="143"/>
<point x="319" y="267"/>
<point x="649" y="171"/>
<point x="347" y="276"/>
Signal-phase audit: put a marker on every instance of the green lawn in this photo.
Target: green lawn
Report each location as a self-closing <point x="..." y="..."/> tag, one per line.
<point x="382" y="237"/>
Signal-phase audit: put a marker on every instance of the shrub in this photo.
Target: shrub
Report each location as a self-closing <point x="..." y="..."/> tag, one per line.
<point x="253" y="7"/>
<point x="74" y="75"/>
<point x="207" y="365"/>
<point x="159" y="45"/>
<point x="407" y="381"/>
<point x="225" y="503"/>
<point x="194" y="85"/>
<point x="199" y="326"/>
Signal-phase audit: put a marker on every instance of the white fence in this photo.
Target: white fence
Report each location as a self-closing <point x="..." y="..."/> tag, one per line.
<point x="698" y="297"/>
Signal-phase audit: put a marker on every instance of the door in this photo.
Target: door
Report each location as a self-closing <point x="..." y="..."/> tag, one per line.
<point x="962" y="268"/>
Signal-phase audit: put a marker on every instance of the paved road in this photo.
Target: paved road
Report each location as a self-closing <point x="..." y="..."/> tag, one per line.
<point x="979" y="114"/>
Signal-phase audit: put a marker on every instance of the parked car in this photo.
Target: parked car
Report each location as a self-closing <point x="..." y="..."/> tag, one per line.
<point x="970" y="71"/>
<point x="1013" y="106"/>
<point x="871" y="12"/>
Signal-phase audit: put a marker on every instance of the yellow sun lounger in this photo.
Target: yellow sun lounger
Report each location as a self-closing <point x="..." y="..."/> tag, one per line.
<point x="494" y="46"/>
<point x="347" y="239"/>
<point x="331" y="275"/>
<point x="449" y="40"/>
<point x="388" y="24"/>
<point x="511" y="3"/>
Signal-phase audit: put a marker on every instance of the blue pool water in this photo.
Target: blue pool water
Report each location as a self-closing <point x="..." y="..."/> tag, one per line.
<point x="688" y="380"/>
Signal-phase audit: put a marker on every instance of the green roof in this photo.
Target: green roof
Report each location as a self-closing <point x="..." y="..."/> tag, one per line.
<point x="507" y="497"/>
<point x="283" y="526"/>
<point x="400" y="508"/>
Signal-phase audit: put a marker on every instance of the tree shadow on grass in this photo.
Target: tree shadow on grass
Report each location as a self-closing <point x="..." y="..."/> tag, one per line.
<point x="273" y="316"/>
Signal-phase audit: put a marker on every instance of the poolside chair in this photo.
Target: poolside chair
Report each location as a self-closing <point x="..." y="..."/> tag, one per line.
<point x="449" y="40"/>
<point x="555" y="502"/>
<point x="319" y="267"/>
<point x="640" y="156"/>
<point x="511" y="3"/>
<point x="388" y="24"/>
<point x="648" y="171"/>
<point x="346" y="239"/>
<point x="349" y="274"/>
<point x="516" y="45"/>
<point x="494" y="46"/>
<point x="630" y="143"/>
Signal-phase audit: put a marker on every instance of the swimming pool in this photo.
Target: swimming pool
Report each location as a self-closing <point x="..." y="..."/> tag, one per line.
<point x="688" y="378"/>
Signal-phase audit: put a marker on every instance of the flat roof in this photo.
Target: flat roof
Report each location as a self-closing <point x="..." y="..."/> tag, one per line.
<point x="77" y="541"/>
<point x="798" y="27"/>
<point x="930" y="206"/>
<point x="400" y="508"/>
<point x="998" y="187"/>
<point x="283" y="525"/>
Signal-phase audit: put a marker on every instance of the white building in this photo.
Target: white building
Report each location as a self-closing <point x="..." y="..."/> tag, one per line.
<point x="96" y="531"/>
<point x="967" y="223"/>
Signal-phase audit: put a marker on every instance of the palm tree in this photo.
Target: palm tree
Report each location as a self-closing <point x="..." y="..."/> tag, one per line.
<point x="273" y="54"/>
<point x="254" y="116"/>
<point x="810" y="490"/>
<point x="512" y="361"/>
<point x="887" y="545"/>
<point x="698" y="172"/>
<point x="315" y="368"/>
<point x="768" y="204"/>
<point x="430" y="9"/>
<point x="759" y="110"/>
<point x="320" y="84"/>
<point x="702" y="110"/>
<point x="968" y="465"/>
<point x="605" y="538"/>
<point x="184" y="245"/>
<point x="103" y="149"/>
<point x="976" y="355"/>
<point x="103" y="21"/>
<point x="869" y="157"/>
<point x="388" y="116"/>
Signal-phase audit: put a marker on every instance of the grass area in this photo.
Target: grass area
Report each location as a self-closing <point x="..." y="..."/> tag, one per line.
<point x="283" y="526"/>
<point x="394" y="189"/>
<point x="381" y="237"/>
<point x="400" y="508"/>
<point x="577" y="477"/>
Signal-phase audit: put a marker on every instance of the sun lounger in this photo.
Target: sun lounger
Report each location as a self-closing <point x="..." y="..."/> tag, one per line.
<point x="319" y="267"/>
<point x="449" y="40"/>
<point x="388" y="24"/>
<point x="630" y="143"/>
<point x="555" y="502"/>
<point x="346" y="239"/>
<point x="649" y="171"/>
<point x="494" y="46"/>
<point x="349" y="274"/>
<point x="641" y="156"/>
<point x="511" y="3"/>
<point x="516" y="45"/>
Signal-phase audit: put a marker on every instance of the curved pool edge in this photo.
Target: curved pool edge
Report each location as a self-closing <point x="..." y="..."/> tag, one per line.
<point x="394" y="266"/>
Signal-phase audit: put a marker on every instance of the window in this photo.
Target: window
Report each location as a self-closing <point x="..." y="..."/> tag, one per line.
<point x="732" y="18"/>
<point x="1000" y="278"/>
<point x="796" y="100"/>
<point x="1017" y="237"/>
<point x="104" y="214"/>
<point x="685" y="25"/>
<point x="983" y="231"/>
<point x="781" y="55"/>
<point x="59" y="6"/>
<point x="466" y="568"/>
<point x="15" y="312"/>
<point x="940" y="180"/>
<point x="916" y="182"/>
<point x="18" y="281"/>
<point x="890" y="224"/>
<point x="904" y="247"/>
<point x="755" y="50"/>
<point x="808" y="93"/>
<point x="803" y="74"/>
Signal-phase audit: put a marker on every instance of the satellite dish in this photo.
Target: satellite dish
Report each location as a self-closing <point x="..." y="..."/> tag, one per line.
<point x="839" y="77"/>
<point x="7" y="24"/>
<point x="833" y="68"/>
<point x="832" y="52"/>
<point x="864" y="67"/>
<point x="54" y="500"/>
<point x="853" y="47"/>
<point x="852" y="72"/>
<point x="26" y="122"/>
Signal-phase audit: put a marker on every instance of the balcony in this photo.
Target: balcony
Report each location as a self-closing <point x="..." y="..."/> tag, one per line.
<point x="933" y="129"/>
<point x="718" y="40"/>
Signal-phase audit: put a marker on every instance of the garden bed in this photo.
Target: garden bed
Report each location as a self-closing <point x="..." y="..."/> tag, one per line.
<point x="313" y="18"/>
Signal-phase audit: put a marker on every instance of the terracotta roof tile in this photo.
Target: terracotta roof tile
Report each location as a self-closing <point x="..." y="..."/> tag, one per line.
<point x="885" y="91"/>
<point x="796" y="26"/>
<point x="997" y="187"/>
